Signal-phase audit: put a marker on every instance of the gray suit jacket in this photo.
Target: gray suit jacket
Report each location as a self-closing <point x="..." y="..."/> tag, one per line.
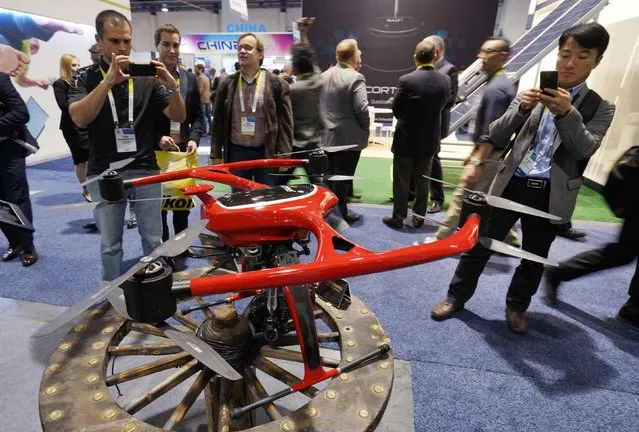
<point x="574" y="142"/>
<point x="345" y="103"/>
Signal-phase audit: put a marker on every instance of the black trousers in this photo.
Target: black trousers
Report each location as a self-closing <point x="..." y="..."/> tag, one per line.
<point x="180" y="222"/>
<point x="405" y="170"/>
<point x="537" y="236"/>
<point x="15" y="189"/>
<point x="436" y="188"/>
<point x="612" y="255"/>
<point x="342" y="163"/>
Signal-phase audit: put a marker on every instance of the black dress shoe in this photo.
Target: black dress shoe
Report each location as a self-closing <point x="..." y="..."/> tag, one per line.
<point x="29" y="258"/>
<point x="393" y="222"/>
<point x="516" y="321"/>
<point x="91" y="226"/>
<point x="351" y="217"/>
<point x="355" y="196"/>
<point x="572" y="234"/>
<point x="11" y="253"/>
<point x="434" y="207"/>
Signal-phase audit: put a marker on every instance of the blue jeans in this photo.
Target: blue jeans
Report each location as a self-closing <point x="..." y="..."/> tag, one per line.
<point x="206" y="114"/>
<point x="239" y="154"/>
<point x="110" y="221"/>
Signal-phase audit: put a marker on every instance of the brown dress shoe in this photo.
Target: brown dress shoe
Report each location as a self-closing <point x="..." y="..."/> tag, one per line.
<point x="445" y="309"/>
<point x="516" y="321"/>
<point x="28" y="259"/>
<point x="393" y="222"/>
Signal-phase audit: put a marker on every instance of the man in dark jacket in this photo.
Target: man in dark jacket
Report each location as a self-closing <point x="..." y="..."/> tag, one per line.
<point x="418" y="103"/>
<point x="13" y="176"/>
<point x="252" y="119"/>
<point x="174" y="136"/>
<point x="443" y="66"/>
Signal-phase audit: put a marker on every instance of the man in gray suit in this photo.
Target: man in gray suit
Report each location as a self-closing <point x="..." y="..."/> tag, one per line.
<point x="345" y="103"/>
<point x="543" y="170"/>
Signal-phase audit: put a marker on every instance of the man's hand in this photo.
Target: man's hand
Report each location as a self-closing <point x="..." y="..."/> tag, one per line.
<point x="191" y="147"/>
<point x="216" y="161"/>
<point x="115" y="74"/>
<point x="559" y="102"/>
<point x="305" y="22"/>
<point x="469" y="157"/>
<point x="529" y="99"/>
<point x="163" y="76"/>
<point x="166" y="143"/>
<point x="12" y="61"/>
<point x="472" y="174"/>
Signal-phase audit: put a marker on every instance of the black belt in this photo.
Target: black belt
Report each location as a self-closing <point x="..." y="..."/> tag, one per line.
<point x="533" y="183"/>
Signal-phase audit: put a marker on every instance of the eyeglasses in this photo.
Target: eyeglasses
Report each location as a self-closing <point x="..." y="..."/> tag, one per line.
<point x="246" y="48"/>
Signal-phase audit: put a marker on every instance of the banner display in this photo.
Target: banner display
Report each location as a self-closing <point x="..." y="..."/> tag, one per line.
<point x="275" y="44"/>
<point x="388" y="31"/>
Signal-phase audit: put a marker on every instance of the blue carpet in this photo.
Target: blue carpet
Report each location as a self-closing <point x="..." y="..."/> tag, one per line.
<point x="577" y="369"/>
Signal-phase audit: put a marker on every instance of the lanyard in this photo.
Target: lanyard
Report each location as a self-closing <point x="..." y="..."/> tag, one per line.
<point x="114" y="113"/>
<point x="258" y="91"/>
<point x="304" y="76"/>
<point x="346" y="65"/>
<point x="425" y="65"/>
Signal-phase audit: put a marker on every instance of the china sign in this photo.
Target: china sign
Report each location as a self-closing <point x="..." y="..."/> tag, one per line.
<point x="275" y="44"/>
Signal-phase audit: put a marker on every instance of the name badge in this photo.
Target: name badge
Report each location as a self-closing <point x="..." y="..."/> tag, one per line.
<point x="529" y="162"/>
<point x="248" y="126"/>
<point x="125" y="140"/>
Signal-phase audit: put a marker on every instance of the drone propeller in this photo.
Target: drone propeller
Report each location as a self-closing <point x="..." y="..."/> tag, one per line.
<point x="326" y="149"/>
<point x="190" y="343"/>
<point x="172" y="247"/>
<point x="113" y="166"/>
<point x="329" y="178"/>
<point x="502" y="203"/>
<point x="496" y="245"/>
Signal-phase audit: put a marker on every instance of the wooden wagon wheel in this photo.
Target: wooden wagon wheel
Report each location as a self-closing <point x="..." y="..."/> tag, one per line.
<point x="75" y="390"/>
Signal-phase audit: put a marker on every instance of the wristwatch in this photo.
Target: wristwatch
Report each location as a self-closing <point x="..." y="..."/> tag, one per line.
<point x="475" y="162"/>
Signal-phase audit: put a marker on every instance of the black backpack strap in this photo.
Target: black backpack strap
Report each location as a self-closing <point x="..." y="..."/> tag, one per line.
<point x="588" y="109"/>
<point x="276" y="88"/>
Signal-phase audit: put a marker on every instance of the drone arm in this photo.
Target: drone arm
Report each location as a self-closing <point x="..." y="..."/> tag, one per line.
<point x="340" y="266"/>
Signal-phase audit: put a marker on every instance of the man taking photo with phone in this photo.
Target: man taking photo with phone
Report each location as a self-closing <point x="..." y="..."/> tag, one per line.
<point x="557" y="134"/>
<point x="100" y="98"/>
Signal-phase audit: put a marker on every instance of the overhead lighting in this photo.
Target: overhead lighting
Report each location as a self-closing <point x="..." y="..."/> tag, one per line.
<point x="164" y="8"/>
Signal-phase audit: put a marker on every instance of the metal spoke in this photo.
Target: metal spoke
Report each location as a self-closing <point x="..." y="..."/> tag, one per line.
<point x="161" y="348"/>
<point x="286" y="354"/>
<point x="281" y="374"/>
<point x="258" y="392"/>
<point x="148" y="368"/>
<point x="139" y="402"/>
<point x="187" y="401"/>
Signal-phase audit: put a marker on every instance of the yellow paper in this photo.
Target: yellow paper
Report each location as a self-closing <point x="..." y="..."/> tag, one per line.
<point x="175" y="161"/>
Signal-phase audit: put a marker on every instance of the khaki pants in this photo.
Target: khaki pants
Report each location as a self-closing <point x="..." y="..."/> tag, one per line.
<point x="483" y="182"/>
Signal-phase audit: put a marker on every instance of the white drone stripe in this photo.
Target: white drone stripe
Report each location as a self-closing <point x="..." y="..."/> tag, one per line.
<point x="268" y="203"/>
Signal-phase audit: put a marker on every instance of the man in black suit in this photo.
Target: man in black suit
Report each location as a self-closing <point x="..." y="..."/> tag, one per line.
<point x="418" y="103"/>
<point x="13" y="176"/>
<point x="173" y="136"/>
<point x="443" y="66"/>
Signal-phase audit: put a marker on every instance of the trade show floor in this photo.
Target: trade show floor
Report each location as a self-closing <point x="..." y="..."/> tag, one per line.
<point x="577" y="369"/>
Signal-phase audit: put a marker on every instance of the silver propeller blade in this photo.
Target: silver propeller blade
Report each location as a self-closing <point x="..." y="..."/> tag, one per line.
<point x="78" y="206"/>
<point x="113" y="166"/>
<point x="342" y="178"/>
<point x="201" y="351"/>
<point x="506" y="204"/>
<point x="326" y="149"/>
<point x="117" y="300"/>
<point x="436" y="222"/>
<point x="501" y="247"/>
<point x="503" y="203"/>
<point x="172" y="247"/>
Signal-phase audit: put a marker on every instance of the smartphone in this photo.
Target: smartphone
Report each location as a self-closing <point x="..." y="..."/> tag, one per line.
<point x="142" y="69"/>
<point x="548" y="79"/>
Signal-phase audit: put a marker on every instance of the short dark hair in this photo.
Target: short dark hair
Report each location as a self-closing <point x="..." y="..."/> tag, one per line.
<point x="237" y="66"/>
<point x="589" y="36"/>
<point x="505" y="43"/>
<point x="425" y="52"/>
<point x="275" y="71"/>
<point x="304" y="58"/>
<point x="109" y="15"/>
<point x="165" y="28"/>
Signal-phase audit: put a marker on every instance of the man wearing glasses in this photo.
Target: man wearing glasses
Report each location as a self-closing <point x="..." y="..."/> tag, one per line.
<point x="252" y="117"/>
<point x="481" y="164"/>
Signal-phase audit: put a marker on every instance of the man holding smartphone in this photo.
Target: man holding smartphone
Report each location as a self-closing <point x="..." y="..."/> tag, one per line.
<point x="121" y="113"/>
<point x="557" y="134"/>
